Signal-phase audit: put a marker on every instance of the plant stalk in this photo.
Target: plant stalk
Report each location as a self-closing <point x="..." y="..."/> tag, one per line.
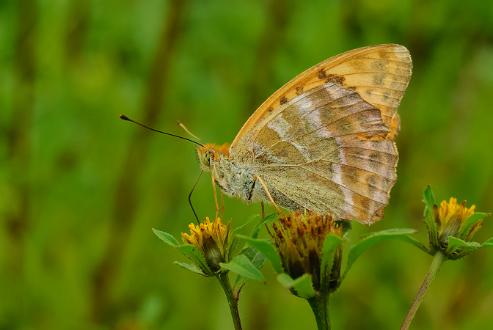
<point x="320" y="308"/>
<point x="430" y="276"/>
<point x="232" y="299"/>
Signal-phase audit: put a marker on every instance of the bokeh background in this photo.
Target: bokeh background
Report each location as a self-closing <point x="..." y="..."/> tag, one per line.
<point x="80" y="190"/>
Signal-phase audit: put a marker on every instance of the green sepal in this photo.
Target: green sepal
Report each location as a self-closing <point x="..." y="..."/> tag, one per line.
<point x="196" y="256"/>
<point x="468" y="224"/>
<point x="429" y="216"/>
<point x="458" y="248"/>
<point x="330" y="266"/>
<point x="301" y="287"/>
<point x="244" y="267"/>
<point x="331" y="242"/>
<point x="364" y="244"/>
<point x="265" y="247"/>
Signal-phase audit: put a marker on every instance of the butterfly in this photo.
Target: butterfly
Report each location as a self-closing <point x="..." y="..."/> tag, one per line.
<point x="323" y="142"/>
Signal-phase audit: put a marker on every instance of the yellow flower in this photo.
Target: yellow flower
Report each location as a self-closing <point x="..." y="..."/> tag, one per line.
<point x="299" y="238"/>
<point x="450" y="216"/>
<point x="210" y="238"/>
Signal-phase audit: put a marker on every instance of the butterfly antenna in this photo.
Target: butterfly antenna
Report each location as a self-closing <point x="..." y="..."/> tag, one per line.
<point x="123" y="117"/>
<point x="187" y="130"/>
<point x="190" y="197"/>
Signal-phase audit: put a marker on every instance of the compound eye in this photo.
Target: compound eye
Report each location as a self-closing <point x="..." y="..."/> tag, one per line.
<point x="208" y="156"/>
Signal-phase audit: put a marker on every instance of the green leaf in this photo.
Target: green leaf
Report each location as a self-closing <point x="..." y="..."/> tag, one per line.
<point x="416" y="243"/>
<point x="488" y="243"/>
<point x="187" y="250"/>
<point x="191" y="267"/>
<point x="243" y="266"/>
<point x="257" y="259"/>
<point x="166" y="238"/>
<point x="265" y="221"/>
<point x="266" y="248"/>
<point x="360" y="247"/>
<point x="457" y="248"/>
<point x="251" y="219"/>
<point x="470" y="222"/>
<point x="255" y="256"/>
<point x="303" y="285"/>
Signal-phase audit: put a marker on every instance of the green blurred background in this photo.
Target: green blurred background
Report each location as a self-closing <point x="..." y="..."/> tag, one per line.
<point x="80" y="190"/>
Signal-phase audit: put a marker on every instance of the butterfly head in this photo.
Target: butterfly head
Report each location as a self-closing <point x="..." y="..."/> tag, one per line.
<point x="209" y="153"/>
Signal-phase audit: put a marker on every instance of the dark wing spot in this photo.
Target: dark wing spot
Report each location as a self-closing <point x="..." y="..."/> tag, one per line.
<point x="335" y="79"/>
<point x="322" y="74"/>
<point x="283" y="100"/>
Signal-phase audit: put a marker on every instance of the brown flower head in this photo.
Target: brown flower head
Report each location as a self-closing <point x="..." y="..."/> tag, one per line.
<point x="299" y="238"/>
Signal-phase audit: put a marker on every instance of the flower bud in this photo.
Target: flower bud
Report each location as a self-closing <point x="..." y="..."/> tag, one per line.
<point x="210" y="239"/>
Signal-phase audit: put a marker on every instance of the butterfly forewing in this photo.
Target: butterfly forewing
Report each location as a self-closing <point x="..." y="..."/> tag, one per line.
<point x="324" y="141"/>
<point x="380" y="74"/>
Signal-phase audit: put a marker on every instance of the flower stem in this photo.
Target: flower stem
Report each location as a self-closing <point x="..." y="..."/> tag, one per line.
<point x="320" y="308"/>
<point x="430" y="276"/>
<point x="232" y="299"/>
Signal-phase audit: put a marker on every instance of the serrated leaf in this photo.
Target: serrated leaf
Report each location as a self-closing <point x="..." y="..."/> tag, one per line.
<point x="364" y="244"/>
<point x="457" y="248"/>
<point x="243" y="266"/>
<point x="488" y="243"/>
<point x="303" y="285"/>
<point x="470" y="222"/>
<point x="166" y="237"/>
<point x="266" y="248"/>
<point x="191" y="267"/>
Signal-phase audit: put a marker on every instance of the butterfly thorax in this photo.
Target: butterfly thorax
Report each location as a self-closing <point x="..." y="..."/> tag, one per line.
<point x="234" y="178"/>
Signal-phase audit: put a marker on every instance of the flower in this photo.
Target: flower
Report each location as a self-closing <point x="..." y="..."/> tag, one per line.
<point x="299" y="239"/>
<point x="451" y="216"/>
<point x="451" y="226"/>
<point x="212" y="240"/>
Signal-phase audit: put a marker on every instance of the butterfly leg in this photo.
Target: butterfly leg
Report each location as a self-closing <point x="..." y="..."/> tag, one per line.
<point x="221" y="209"/>
<point x="268" y="193"/>
<point x="214" y="192"/>
<point x="262" y="210"/>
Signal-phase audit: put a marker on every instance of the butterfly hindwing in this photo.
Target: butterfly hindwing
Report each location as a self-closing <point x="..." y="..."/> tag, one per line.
<point x="328" y="151"/>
